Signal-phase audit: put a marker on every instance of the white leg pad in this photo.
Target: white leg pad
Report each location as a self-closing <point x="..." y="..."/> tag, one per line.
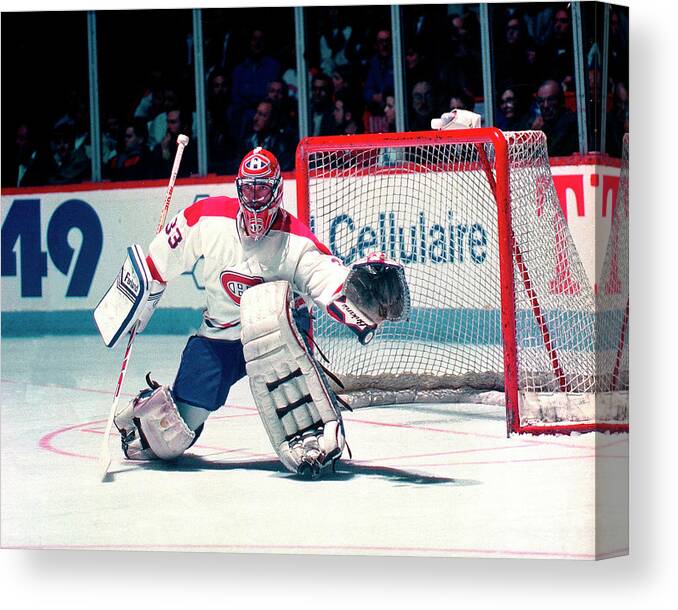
<point x="161" y="432"/>
<point x="298" y="409"/>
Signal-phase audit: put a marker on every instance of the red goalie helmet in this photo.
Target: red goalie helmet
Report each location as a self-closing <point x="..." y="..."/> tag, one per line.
<point x="259" y="186"/>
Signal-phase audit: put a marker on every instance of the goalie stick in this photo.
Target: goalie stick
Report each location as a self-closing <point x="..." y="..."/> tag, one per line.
<point x="105" y="454"/>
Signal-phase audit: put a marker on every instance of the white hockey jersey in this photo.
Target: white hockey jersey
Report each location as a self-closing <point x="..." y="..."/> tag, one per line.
<point x="234" y="262"/>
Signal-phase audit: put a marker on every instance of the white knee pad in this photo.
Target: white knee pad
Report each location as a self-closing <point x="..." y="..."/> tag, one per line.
<point x="152" y="427"/>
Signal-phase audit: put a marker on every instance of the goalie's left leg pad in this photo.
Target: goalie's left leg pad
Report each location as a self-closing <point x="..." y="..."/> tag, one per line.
<point x="297" y="406"/>
<point x="152" y="427"/>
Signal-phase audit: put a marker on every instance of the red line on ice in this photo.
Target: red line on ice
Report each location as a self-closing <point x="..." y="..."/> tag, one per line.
<point x="46" y="441"/>
<point x="529" y="441"/>
<point x="438" y="453"/>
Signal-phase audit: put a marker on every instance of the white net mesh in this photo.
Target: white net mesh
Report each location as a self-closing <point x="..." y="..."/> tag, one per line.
<point x="432" y="207"/>
<point x="612" y="295"/>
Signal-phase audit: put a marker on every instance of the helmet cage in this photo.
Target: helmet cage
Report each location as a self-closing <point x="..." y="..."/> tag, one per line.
<point x="257" y="194"/>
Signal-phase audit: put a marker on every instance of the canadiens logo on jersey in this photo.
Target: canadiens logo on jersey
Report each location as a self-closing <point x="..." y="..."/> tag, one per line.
<point x="256" y="224"/>
<point x="235" y="284"/>
<point x="256" y="165"/>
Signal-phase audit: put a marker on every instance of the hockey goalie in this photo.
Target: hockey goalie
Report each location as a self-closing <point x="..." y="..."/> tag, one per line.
<point x="260" y="264"/>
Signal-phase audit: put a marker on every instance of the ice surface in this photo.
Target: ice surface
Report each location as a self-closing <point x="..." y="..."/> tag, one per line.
<point x="437" y="479"/>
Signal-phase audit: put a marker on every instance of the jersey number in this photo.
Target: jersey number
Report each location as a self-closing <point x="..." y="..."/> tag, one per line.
<point x="174" y="235"/>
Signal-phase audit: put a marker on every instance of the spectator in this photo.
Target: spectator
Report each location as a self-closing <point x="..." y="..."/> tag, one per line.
<point x="71" y="165"/>
<point x="558" y="52"/>
<point x="134" y="161"/>
<point x="289" y="71"/>
<point x="31" y="166"/>
<point x="110" y="138"/>
<point x="164" y="99"/>
<point x="390" y="111"/>
<point x="422" y="110"/>
<point x="76" y="120"/>
<point x="463" y="70"/>
<point x="416" y="66"/>
<point x="380" y="70"/>
<point x="149" y="103"/>
<point x="516" y="55"/>
<point x="342" y="81"/>
<point x="217" y="119"/>
<point x="249" y="81"/>
<point x="336" y="41"/>
<point x="164" y="152"/>
<point x="423" y="32"/>
<point x="557" y="122"/>
<point x="513" y="114"/>
<point x="390" y="155"/>
<point x="277" y="93"/>
<point x="538" y="18"/>
<point x="460" y="101"/>
<point x="346" y="115"/>
<point x="217" y="101"/>
<point x="265" y="132"/>
<point x="617" y="121"/>
<point x="322" y="121"/>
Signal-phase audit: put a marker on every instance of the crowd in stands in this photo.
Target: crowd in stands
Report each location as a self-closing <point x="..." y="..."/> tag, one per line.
<point x="351" y="90"/>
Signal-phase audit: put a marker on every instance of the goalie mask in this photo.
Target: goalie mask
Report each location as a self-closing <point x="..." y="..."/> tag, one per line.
<point x="259" y="186"/>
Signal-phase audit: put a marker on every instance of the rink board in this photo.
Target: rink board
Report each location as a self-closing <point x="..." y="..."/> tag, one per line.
<point x="62" y="247"/>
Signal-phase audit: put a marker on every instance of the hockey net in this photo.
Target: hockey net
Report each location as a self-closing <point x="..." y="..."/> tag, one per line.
<point x="612" y="296"/>
<point x="500" y="300"/>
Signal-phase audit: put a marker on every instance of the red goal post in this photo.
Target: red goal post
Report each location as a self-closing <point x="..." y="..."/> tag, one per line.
<point x="501" y="302"/>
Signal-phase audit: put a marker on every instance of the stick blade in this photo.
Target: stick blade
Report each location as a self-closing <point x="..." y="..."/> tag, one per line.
<point x="104" y="462"/>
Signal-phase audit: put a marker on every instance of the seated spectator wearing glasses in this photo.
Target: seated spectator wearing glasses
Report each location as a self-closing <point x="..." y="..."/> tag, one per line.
<point x="421" y="110"/>
<point x="513" y="114"/>
<point x="556" y="121"/>
<point x="134" y="161"/>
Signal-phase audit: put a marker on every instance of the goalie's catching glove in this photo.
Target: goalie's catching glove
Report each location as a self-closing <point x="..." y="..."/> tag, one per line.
<point x="375" y="290"/>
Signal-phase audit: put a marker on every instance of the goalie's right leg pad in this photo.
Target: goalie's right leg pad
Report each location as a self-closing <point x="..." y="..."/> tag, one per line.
<point x="151" y="427"/>
<point x="296" y="404"/>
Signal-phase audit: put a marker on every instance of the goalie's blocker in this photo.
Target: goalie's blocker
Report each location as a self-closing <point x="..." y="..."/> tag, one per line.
<point x="375" y="290"/>
<point x="131" y="299"/>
